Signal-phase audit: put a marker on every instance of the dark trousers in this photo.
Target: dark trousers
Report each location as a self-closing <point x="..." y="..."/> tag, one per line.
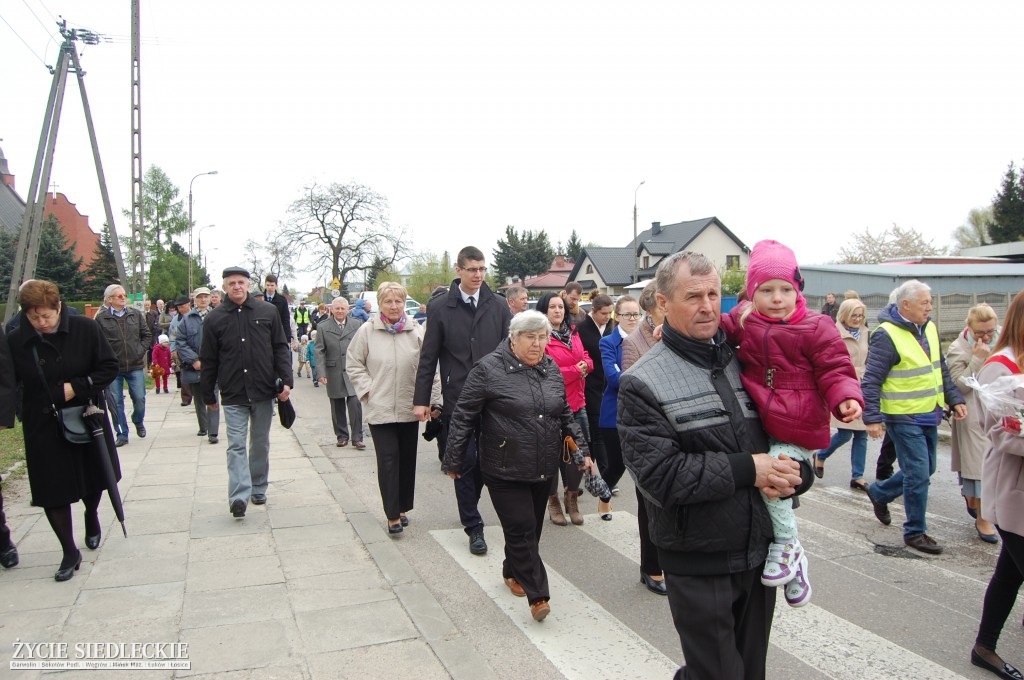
<point x="649" y="562"/>
<point x="470" y="485"/>
<point x="5" y="532"/>
<point x="520" y="508"/>
<point x="615" y="468"/>
<point x="723" y="623"/>
<point x="186" y="390"/>
<point x="355" y="418"/>
<point x="886" y="459"/>
<point x="1002" y="589"/>
<point x="395" y="445"/>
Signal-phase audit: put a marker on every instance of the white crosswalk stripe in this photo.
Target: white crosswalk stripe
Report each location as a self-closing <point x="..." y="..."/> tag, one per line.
<point x="819" y="638"/>
<point x="580" y="638"/>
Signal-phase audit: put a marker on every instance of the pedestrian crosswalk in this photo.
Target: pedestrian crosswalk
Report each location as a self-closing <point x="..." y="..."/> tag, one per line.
<point x="583" y="640"/>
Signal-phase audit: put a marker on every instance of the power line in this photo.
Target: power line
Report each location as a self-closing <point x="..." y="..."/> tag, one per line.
<point x="23" y="41"/>
<point x="45" y="7"/>
<point x="36" y="17"/>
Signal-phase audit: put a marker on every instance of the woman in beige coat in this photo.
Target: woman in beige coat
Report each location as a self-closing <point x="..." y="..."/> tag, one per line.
<point x="382" y="362"/>
<point x="850" y="322"/>
<point x="966" y="356"/>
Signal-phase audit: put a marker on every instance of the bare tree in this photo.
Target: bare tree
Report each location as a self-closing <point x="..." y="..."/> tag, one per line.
<point x="891" y="244"/>
<point x="271" y="254"/>
<point x="345" y="228"/>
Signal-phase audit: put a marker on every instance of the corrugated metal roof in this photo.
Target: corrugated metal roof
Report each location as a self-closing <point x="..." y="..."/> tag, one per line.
<point x="921" y="271"/>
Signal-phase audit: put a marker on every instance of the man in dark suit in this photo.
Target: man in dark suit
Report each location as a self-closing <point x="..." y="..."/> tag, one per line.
<point x="332" y="340"/>
<point x="592" y="328"/>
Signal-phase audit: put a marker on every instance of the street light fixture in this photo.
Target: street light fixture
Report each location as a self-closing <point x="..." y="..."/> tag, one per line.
<point x="211" y="172"/>
<point x="636" y="277"/>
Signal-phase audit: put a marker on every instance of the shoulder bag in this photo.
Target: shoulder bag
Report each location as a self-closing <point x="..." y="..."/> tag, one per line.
<point x="70" y="423"/>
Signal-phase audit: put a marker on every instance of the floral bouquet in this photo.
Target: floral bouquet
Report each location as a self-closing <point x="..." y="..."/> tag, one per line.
<point x="1003" y="397"/>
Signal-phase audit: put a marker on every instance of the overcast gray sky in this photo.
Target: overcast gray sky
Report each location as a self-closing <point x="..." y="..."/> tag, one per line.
<point x="799" y="121"/>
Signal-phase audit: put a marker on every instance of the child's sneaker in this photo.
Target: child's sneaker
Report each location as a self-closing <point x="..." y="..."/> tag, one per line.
<point x="798" y="591"/>
<point x="780" y="567"/>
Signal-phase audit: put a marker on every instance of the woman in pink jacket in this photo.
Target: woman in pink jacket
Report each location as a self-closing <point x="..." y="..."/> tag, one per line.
<point x="797" y="370"/>
<point x="1002" y="500"/>
<point x="566" y="349"/>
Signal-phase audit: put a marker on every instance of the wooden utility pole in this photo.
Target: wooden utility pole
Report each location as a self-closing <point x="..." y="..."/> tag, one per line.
<point x="27" y="252"/>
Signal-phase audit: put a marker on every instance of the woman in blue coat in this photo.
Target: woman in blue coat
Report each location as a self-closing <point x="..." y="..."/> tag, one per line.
<point x="627" y="318"/>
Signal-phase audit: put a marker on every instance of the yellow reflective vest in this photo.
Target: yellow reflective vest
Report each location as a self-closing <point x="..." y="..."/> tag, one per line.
<point x="914" y="385"/>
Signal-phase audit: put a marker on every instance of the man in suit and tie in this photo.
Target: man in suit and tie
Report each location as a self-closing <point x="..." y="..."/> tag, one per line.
<point x="332" y="340"/>
<point x="594" y="326"/>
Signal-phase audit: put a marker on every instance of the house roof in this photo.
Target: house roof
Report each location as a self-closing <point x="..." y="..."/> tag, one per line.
<point x="615" y="265"/>
<point x="680" y="235"/>
<point x="551" y="279"/>
<point x="658" y="247"/>
<point x="921" y="271"/>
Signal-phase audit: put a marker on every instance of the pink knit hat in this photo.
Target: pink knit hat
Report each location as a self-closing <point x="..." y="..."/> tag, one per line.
<point x="772" y="260"/>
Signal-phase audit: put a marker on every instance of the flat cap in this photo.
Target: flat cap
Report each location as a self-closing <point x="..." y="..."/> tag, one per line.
<point x="183" y="300"/>
<point x="235" y="271"/>
<point x="201" y="290"/>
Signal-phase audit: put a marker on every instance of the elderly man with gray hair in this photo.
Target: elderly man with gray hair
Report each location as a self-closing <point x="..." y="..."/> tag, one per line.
<point x="131" y="338"/>
<point x="906" y="387"/>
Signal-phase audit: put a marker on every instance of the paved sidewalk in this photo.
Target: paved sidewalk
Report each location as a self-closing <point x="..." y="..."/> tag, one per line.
<point x="307" y="586"/>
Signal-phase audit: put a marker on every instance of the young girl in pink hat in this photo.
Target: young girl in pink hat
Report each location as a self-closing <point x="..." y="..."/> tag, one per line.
<point x="797" y="369"/>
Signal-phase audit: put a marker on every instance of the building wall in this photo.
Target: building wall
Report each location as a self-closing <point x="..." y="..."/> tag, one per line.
<point x="75" y="226"/>
<point x="715" y="244"/>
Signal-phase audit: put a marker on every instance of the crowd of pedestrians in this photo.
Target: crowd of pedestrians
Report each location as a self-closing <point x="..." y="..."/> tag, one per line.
<point x="720" y="419"/>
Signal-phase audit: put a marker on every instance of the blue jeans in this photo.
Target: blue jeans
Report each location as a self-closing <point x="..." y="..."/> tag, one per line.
<point x="137" y="391"/>
<point x="858" y="454"/>
<point x="915" y="451"/>
<point x="247" y="474"/>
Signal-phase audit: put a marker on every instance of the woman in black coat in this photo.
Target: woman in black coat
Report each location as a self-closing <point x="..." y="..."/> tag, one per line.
<point x="516" y="395"/>
<point x="77" y="363"/>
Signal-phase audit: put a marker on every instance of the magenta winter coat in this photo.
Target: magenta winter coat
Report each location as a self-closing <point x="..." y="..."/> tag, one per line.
<point x="575" y="382"/>
<point x="811" y="374"/>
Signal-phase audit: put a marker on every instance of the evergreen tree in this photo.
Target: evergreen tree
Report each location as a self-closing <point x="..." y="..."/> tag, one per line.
<point x="8" y="246"/>
<point x="168" y="273"/>
<point x="102" y="271"/>
<point x="573" y="247"/>
<point x="1008" y="209"/>
<point x="57" y="262"/>
<point x="522" y="255"/>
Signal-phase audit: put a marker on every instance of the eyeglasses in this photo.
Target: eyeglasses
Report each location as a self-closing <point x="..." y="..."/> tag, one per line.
<point x="474" y="270"/>
<point x="629" y="315"/>
<point x="856" y="316"/>
<point x="534" y="339"/>
<point x="120" y="296"/>
<point x="987" y="335"/>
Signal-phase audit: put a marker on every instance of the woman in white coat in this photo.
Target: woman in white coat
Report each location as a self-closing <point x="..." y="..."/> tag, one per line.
<point x="382" y="362"/>
<point x="965" y="358"/>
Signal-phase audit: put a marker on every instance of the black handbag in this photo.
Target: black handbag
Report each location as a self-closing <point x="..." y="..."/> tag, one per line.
<point x="70" y="421"/>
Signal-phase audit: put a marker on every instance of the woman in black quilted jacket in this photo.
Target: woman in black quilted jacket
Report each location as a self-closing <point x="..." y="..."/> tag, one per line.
<point x="517" y="396"/>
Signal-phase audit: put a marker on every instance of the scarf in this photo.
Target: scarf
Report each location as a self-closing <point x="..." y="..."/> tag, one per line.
<point x="564" y="334"/>
<point x="393" y="328"/>
<point x="855" y="332"/>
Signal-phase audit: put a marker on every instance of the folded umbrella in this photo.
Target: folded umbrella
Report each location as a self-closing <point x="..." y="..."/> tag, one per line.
<point x="96" y="419"/>
<point x="285" y="410"/>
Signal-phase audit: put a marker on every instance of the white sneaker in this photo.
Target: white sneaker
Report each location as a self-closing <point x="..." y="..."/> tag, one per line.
<point x="798" y="591"/>
<point x="780" y="567"/>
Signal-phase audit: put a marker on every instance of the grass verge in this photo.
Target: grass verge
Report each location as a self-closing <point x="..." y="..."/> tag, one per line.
<point x="12" y="450"/>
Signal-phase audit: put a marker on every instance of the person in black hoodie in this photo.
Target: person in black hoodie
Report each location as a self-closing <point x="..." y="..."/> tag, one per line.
<point x="246" y="352"/>
<point x="463" y="326"/>
<point x="8" y="551"/>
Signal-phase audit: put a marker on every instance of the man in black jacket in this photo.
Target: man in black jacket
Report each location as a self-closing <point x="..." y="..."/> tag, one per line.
<point x="279" y="301"/>
<point x="693" y="443"/>
<point x="8" y="551"/>
<point x="246" y="352"/>
<point x="464" y="326"/>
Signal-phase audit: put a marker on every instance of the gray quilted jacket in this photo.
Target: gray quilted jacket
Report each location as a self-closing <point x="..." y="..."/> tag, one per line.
<point x="688" y="430"/>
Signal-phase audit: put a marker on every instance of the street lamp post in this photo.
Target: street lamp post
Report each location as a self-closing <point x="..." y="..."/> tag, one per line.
<point x="636" y="277"/>
<point x="211" y="172"/>
<point x="199" y="250"/>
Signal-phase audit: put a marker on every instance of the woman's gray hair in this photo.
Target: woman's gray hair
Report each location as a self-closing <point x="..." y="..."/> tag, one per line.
<point x="909" y="289"/>
<point x="529" y="321"/>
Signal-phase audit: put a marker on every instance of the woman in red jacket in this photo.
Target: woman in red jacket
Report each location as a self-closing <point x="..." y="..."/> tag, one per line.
<point x="566" y="349"/>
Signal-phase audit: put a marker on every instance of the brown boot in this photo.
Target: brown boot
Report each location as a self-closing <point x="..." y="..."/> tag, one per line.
<point x="555" y="511"/>
<point x="572" y="507"/>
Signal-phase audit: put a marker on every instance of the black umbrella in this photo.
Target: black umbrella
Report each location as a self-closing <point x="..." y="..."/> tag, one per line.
<point x="96" y="419"/>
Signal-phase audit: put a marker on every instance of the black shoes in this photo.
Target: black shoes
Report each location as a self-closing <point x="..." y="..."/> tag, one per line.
<point x="395" y="528"/>
<point x="65" y="573"/>
<point x="819" y="467"/>
<point x="259" y="498"/>
<point x="1006" y="671"/>
<point x="238" y="508"/>
<point x="93" y="542"/>
<point x="121" y="441"/>
<point x="881" y="510"/>
<point x="9" y="556"/>
<point x="201" y="433"/>
<point x="924" y="543"/>
<point x="653" y="585"/>
<point x="859" y="485"/>
<point x="141" y="431"/>
<point x="477" y="544"/>
<point x="403" y="520"/>
<point x="214" y="439"/>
